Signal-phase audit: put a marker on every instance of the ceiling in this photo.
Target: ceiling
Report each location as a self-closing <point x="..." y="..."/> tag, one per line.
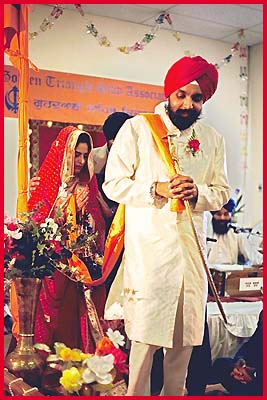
<point x="213" y="21"/>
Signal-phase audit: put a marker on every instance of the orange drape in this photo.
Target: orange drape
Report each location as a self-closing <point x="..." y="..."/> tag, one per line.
<point x="16" y="45"/>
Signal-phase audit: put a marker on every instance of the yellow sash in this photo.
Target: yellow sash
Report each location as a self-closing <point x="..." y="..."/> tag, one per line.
<point x="159" y="133"/>
<point x="115" y="239"/>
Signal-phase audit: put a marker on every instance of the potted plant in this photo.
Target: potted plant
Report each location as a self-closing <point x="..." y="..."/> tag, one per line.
<point x="32" y="251"/>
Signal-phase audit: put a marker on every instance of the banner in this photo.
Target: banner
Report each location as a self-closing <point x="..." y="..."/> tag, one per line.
<point x="59" y="96"/>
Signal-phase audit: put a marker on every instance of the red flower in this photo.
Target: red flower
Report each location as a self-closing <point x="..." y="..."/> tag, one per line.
<point x="18" y="256"/>
<point x="56" y="246"/>
<point x="8" y="244"/>
<point x="194" y="145"/>
<point x="37" y="217"/>
<point x="11" y="226"/>
<point x="120" y="360"/>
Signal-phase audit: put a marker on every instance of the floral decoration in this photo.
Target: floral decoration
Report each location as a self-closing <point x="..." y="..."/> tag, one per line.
<point x="34" y="249"/>
<point x="98" y="369"/>
<point x="193" y="144"/>
<point x="148" y="37"/>
<point x="228" y="58"/>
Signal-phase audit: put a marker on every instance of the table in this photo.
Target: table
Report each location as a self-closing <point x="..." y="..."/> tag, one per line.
<point x="242" y="317"/>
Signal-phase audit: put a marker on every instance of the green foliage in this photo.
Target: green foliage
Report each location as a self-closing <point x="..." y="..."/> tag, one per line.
<point x="33" y="249"/>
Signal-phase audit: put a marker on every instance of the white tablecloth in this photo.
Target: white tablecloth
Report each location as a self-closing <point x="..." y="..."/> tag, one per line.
<point x="226" y="339"/>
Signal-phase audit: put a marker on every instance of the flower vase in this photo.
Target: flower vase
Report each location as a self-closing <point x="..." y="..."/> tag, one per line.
<point x="24" y="361"/>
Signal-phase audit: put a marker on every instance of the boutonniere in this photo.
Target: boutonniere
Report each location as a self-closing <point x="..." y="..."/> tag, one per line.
<point x="193" y="144"/>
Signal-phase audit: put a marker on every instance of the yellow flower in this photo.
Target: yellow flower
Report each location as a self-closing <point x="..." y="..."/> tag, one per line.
<point x="85" y="356"/>
<point x="65" y="354"/>
<point x="99" y="259"/>
<point x="71" y="380"/>
<point x="76" y="355"/>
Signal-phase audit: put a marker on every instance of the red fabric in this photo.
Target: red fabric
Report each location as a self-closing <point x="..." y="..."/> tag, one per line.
<point x="94" y="209"/>
<point x="49" y="174"/>
<point x="46" y="138"/>
<point x="189" y="69"/>
<point x="61" y="312"/>
<point x="48" y="135"/>
<point x="99" y="139"/>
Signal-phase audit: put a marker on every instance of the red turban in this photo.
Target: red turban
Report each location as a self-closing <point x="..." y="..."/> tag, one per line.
<point x="189" y="69"/>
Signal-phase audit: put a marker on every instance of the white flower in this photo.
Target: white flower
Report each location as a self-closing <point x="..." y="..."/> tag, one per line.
<point x="116" y="337"/>
<point x="98" y="369"/>
<point x="50" y="224"/>
<point x="115" y="311"/>
<point x="12" y="262"/>
<point x="17" y="234"/>
<point x="88" y="376"/>
<point x="62" y="192"/>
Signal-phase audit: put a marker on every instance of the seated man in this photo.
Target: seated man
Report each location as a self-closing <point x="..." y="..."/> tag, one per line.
<point x="242" y="375"/>
<point x="230" y="247"/>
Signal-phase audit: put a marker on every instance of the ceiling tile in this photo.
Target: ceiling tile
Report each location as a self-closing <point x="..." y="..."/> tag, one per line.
<point x="199" y="27"/>
<point x="227" y="14"/>
<point x="251" y="38"/>
<point x="253" y="6"/>
<point x="257" y="28"/>
<point x="158" y="7"/>
<point x="125" y="12"/>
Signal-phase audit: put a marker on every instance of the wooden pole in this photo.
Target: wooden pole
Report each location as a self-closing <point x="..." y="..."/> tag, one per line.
<point x="197" y="241"/>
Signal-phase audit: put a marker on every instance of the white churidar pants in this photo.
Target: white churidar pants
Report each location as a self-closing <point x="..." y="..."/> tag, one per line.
<point x="176" y="361"/>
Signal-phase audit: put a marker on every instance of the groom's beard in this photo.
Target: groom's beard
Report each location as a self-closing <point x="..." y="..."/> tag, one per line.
<point x="179" y="120"/>
<point x="220" y="227"/>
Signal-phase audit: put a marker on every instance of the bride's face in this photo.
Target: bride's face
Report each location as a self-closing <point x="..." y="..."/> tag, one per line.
<point x="81" y="156"/>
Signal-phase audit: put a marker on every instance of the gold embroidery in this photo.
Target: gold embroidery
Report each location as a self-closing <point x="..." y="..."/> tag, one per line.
<point x="130" y="295"/>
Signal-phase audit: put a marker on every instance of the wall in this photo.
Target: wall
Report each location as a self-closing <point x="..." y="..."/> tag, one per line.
<point x="66" y="47"/>
<point x="254" y="179"/>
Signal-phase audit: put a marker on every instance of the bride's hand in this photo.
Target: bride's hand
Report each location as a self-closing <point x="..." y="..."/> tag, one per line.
<point x="82" y="197"/>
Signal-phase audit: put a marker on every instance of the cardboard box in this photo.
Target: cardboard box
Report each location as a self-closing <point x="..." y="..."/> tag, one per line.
<point x="237" y="281"/>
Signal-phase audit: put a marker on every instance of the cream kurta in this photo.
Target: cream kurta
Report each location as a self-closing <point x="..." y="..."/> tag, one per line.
<point x="160" y="252"/>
